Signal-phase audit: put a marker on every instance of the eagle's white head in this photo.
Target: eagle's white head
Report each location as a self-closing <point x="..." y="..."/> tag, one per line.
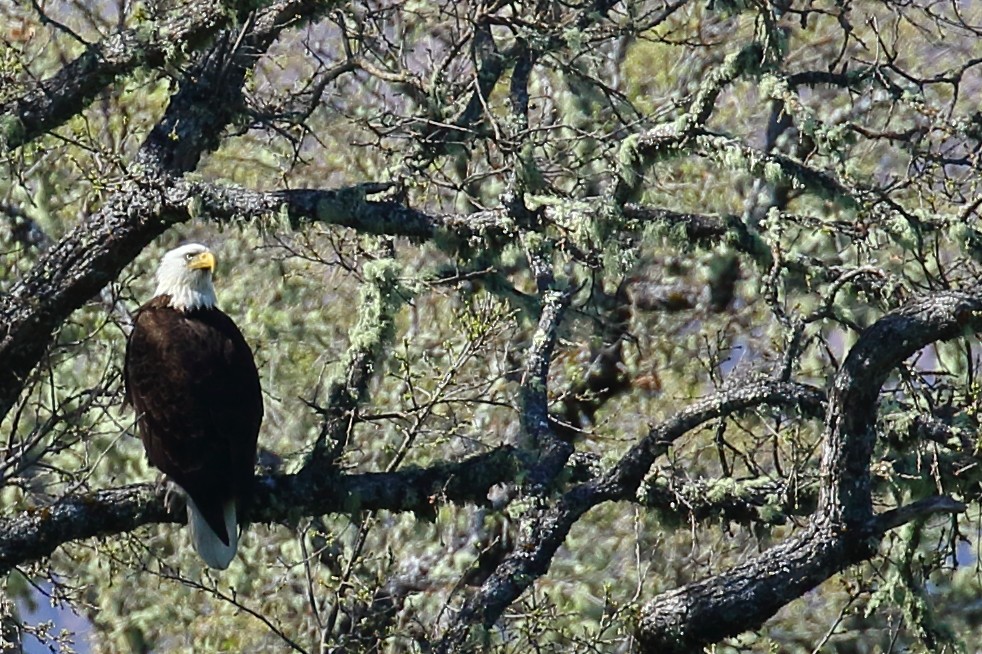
<point x="185" y="275"/>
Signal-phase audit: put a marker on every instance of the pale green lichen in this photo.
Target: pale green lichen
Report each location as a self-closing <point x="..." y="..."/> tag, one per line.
<point x="11" y="129"/>
<point x="771" y="513"/>
<point x="381" y="296"/>
<point x="773" y="173"/>
<point x="902" y="232"/>
<point x="629" y="166"/>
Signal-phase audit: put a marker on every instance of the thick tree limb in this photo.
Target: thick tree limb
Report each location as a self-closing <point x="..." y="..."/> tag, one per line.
<point x="844" y="530"/>
<point x="35" y="534"/>
<point x="550" y="452"/>
<point x="212" y="94"/>
<point x="57" y="99"/>
<point x="850" y="434"/>
<point x="749" y="501"/>
<point x="70" y="273"/>
<point x="347" y="207"/>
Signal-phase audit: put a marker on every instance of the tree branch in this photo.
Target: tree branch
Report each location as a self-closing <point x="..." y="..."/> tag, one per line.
<point x="844" y="530"/>
<point x="36" y="533"/>
<point x="533" y="553"/>
<point x="347" y="207"/>
<point x="381" y="298"/>
<point x="55" y="100"/>
<point x="757" y="501"/>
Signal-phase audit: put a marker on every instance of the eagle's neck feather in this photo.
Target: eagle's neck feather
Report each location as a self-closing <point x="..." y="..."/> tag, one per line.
<point x="187" y="298"/>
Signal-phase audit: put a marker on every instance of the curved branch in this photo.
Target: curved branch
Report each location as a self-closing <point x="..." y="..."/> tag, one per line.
<point x="850" y="434"/>
<point x="533" y="554"/>
<point x="844" y="530"/>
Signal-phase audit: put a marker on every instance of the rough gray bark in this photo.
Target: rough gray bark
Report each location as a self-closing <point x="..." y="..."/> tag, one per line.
<point x="10" y="636"/>
<point x="844" y="530"/>
<point x="35" y="534"/>
<point x="56" y="99"/>
<point x="534" y="552"/>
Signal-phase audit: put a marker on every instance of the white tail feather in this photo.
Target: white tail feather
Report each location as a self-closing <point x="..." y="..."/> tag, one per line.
<point x="209" y="546"/>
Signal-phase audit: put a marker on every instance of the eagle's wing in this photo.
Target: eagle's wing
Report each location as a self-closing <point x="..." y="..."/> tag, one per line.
<point x="193" y="382"/>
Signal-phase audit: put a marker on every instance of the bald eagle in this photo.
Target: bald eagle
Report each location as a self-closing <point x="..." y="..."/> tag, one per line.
<point x="191" y="378"/>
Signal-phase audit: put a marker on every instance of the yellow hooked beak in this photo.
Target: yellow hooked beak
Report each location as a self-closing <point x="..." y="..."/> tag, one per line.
<point x="205" y="260"/>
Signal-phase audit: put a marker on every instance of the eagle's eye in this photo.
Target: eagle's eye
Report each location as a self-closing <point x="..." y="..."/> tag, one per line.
<point x="188" y="256"/>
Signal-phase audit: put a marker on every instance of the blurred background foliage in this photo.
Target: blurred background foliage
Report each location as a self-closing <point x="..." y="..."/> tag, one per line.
<point x="881" y="95"/>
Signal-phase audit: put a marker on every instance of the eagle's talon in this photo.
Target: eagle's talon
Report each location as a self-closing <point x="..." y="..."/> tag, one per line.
<point x="175" y="500"/>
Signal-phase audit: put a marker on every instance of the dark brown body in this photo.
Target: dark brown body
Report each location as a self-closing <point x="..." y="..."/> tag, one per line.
<point x="192" y="380"/>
